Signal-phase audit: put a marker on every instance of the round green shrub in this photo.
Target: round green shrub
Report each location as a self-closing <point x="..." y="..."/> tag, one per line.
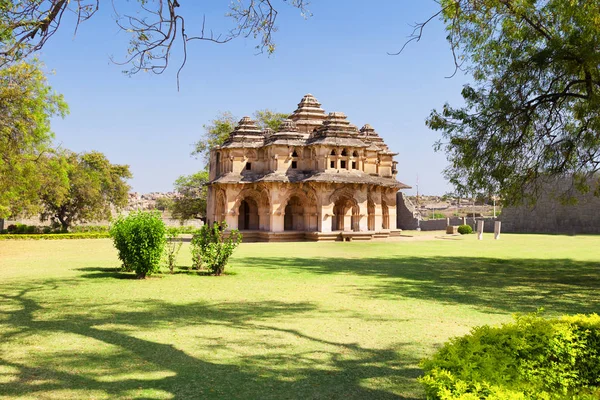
<point x="140" y="241"/>
<point x="465" y="229"/>
<point x="531" y="358"/>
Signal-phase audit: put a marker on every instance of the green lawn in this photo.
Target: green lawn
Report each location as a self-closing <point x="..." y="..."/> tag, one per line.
<point x="292" y="320"/>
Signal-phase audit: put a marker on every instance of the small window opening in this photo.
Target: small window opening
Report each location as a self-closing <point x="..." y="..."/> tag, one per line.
<point x="343" y="164"/>
<point x="344" y="153"/>
<point x="353" y="164"/>
<point x="331" y="164"/>
<point x="248" y="166"/>
<point x="294" y="164"/>
<point x="355" y="154"/>
<point x="294" y="154"/>
<point x="333" y="152"/>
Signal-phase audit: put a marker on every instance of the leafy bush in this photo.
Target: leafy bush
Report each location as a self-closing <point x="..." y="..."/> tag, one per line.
<point x="140" y="241"/>
<point x="172" y="248"/>
<point x="212" y="247"/>
<point x="437" y="215"/>
<point x="530" y="358"/>
<point x="465" y="229"/>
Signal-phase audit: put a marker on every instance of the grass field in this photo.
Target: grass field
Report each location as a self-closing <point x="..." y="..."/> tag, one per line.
<point x="290" y="321"/>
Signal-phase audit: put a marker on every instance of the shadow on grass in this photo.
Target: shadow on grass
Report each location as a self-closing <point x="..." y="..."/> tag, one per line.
<point x="99" y="272"/>
<point x="494" y="285"/>
<point x="144" y="369"/>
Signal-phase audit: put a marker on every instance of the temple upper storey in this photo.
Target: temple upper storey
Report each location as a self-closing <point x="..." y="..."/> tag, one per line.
<point x="309" y="146"/>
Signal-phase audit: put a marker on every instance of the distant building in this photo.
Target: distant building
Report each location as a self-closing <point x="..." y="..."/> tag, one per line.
<point x="317" y="178"/>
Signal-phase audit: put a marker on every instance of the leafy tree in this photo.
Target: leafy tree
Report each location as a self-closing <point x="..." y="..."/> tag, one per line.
<point x="217" y="131"/>
<point x="164" y="203"/>
<point x="532" y="110"/>
<point x="88" y="187"/>
<point x="27" y="104"/>
<point x="191" y="202"/>
<point x="155" y="27"/>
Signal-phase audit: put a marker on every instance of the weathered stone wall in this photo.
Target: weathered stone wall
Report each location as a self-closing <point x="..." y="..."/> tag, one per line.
<point x="549" y="215"/>
<point x="405" y="213"/>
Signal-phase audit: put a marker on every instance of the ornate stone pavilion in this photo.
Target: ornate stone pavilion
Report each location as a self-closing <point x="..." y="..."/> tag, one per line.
<point x="317" y="178"/>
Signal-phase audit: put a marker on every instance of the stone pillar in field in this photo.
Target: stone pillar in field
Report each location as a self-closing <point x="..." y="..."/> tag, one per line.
<point x="480" y="230"/>
<point x="497" y="226"/>
<point x="464" y="220"/>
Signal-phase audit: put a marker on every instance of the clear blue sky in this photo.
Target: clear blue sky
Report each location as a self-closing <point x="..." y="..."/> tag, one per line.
<point x="339" y="55"/>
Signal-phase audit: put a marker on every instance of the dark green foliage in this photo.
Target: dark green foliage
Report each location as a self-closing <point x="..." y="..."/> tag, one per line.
<point x="140" y="241"/>
<point x="172" y="247"/>
<point x="465" y="229"/>
<point x="530" y="358"/>
<point x="212" y="247"/>
<point x="56" y="236"/>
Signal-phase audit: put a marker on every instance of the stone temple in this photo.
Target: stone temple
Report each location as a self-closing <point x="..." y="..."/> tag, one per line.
<point x="317" y="178"/>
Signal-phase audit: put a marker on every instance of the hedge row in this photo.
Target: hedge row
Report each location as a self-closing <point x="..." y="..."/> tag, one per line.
<point x="56" y="236"/>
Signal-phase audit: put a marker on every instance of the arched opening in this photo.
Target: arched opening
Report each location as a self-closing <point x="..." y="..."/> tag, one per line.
<point x="248" y="215"/>
<point x="333" y="152"/>
<point x="294" y="215"/>
<point x="371" y="215"/>
<point x="385" y="222"/>
<point x="355" y="154"/>
<point x="345" y="215"/>
<point x="344" y="153"/>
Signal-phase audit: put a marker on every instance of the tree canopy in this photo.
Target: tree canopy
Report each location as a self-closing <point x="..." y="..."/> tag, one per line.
<point x="191" y="202"/>
<point x="85" y="188"/>
<point x="27" y="104"/>
<point x="533" y="107"/>
<point x="155" y="27"/>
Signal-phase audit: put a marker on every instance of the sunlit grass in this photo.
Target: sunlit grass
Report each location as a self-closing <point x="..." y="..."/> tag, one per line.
<point x="293" y="320"/>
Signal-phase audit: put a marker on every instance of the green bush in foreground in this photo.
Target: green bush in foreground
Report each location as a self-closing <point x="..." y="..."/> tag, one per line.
<point x="531" y="358"/>
<point x="212" y="247"/>
<point x="140" y="241"/>
<point x="465" y="229"/>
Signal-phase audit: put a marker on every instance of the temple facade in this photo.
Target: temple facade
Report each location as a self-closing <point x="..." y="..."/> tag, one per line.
<point x="317" y="178"/>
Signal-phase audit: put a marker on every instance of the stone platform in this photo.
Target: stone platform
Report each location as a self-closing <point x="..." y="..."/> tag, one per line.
<point x="250" y="236"/>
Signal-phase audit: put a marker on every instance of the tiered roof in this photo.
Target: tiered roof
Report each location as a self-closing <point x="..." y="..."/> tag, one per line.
<point x="309" y="115"/>
<point x="288" y="134"/>
<point x="336" y="131"/>
<point x="308" y="125"/>
<point x="245" y="134"/>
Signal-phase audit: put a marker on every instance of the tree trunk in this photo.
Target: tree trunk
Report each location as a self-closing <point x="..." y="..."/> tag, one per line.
<point x="1" y="224"/>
